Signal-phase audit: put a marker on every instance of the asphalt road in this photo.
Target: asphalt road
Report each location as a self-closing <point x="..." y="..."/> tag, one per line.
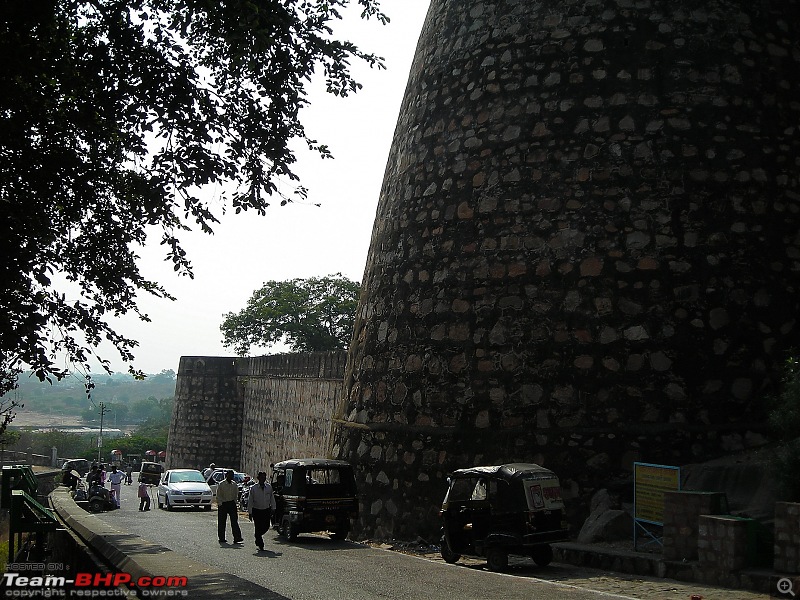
<point x="314" y="567"/>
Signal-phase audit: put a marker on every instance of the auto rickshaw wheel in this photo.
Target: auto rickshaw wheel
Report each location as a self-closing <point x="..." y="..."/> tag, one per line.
<point x="497" y="559"/>
<point x="542" y="555"/>
<point x="97" y="505"/>
<point x="288" y="531"/>
<point x="340" y="533"/>
<point x="448" y="555"/>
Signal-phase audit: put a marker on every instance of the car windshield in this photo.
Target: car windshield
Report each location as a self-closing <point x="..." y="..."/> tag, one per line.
<point x="183" y="476"/>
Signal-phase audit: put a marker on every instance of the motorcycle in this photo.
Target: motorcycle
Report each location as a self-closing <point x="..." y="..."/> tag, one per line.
<point x="97" y="497"/>
<point x="100" y="499"/>
<point x="244" y="493"/>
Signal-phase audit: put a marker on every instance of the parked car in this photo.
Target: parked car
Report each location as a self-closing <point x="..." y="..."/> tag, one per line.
<point x="313" y="494"/>
<point x="183" y="487"/>
<point x="81" y="465"/>
<point x="491" y="512"/>
<point x="218" y="475"/>
<point x="72" y="470"/>
<point x="150" y="473"/>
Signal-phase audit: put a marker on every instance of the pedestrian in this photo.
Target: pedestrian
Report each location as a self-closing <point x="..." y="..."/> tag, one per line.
<point x="260" y="505"/>
<point x="144" y="497"/>
<point x="116" y="478"/>
<point x="103" y="474"/>
<point x="227" y="492"/>
<point x="208" y="471"/>
<point x="129" y="474"/>
<point x="93" y="477"/>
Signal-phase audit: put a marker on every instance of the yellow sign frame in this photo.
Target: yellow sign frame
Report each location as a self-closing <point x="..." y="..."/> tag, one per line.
<point x="650" y="482"/>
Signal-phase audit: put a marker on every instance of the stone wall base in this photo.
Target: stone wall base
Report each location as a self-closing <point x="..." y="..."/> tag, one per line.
<point x="654" y="565"/>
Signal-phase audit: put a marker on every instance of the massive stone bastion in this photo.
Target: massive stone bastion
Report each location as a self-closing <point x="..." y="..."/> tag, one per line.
<point x="586" y="247"/>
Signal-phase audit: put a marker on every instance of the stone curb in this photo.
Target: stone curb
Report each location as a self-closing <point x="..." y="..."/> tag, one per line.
<point x="128" y="553"/>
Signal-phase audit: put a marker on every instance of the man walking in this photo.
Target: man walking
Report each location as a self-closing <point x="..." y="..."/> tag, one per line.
<point x="116" y="478"/>
<point x="227" y="492"/>
<point x="260" y="505"/>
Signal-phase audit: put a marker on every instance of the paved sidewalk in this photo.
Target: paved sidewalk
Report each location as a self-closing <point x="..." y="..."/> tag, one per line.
<point x="613" y="583"/>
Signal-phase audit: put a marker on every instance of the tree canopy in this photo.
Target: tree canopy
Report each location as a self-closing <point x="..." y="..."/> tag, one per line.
<point x="784" y="419"/>
<point x="308" y="314"/>
<point x="115" y="117"/>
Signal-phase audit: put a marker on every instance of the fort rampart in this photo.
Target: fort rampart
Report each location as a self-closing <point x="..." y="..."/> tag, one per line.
<point x="245" y="413"/>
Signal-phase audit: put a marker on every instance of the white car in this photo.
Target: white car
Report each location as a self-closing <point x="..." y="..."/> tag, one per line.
<point x="184" y="487"/>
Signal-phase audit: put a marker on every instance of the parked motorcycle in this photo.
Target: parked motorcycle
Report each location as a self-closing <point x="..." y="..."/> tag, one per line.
<point x="99" y="499"/>
<point x="96" y="497"/>
<point x="244" y="494"/>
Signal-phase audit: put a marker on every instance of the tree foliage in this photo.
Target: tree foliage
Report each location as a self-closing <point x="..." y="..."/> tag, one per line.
<point x="784" y="420"/>
<point x="115" y="117"/>
<point x="308" y="314"/>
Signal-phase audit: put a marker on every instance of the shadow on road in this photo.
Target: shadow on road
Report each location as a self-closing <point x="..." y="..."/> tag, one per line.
<point x="319" y="542"/>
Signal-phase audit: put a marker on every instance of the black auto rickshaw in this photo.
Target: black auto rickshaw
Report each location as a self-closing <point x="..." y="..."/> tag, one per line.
<point x="494" y="511"/>
<point x="150" y="473"/>
<point x="313" y="494"/>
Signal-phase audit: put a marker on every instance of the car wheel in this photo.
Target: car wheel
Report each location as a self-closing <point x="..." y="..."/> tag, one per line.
<point x="448" y="555"/>
<point x="160" y="503"/>
<point x="497" y="559"/>
<point x="166" y="502"/>
<point x="97" y="505"/>
<point x="542" y="555"/>
<point x="288" y="531"/>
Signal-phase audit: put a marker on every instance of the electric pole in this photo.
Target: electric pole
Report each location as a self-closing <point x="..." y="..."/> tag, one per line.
<point x="100" y="437"/>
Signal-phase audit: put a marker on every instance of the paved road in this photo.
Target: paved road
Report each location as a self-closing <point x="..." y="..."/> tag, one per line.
<point x="316" y="568"/>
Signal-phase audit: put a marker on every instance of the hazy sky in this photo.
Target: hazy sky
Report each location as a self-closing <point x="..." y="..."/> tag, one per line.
<point x="296" y="240"/>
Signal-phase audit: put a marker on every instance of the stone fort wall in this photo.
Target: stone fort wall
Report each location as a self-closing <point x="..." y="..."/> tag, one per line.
<point x="245" y="413"/>
<point x="586" y="250"/>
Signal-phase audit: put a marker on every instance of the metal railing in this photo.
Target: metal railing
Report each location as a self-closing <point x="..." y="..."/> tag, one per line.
<point x="29" y="521"/>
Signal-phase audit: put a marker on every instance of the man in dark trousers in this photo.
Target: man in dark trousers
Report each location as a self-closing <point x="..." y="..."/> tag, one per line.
<point x="227" y="493"/>
<point x="260" y="505"/>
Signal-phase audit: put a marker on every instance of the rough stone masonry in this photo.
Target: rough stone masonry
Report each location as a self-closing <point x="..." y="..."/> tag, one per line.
<point x="586" y="248"/>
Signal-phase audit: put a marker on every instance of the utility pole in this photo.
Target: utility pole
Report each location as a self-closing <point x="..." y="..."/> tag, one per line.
<point x="100" y="437"/>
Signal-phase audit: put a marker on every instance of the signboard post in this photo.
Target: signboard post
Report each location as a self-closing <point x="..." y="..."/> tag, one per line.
<point x="649" y="484"/>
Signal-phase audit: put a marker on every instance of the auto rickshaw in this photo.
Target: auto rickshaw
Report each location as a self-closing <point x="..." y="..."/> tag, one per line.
<point x="151" y="472"/>
<point x="313" y="494"/>
<point x="491" y="512"/>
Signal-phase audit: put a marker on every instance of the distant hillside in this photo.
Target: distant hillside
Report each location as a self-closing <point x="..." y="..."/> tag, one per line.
<point x="126" y="399"/>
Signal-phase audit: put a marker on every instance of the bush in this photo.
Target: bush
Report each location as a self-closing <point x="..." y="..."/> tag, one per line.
<point x="784" y="420"/>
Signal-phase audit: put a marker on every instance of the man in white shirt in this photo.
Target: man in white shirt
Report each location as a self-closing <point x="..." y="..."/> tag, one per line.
<point x="116" y="478"/>
<point x="260" y="505"/>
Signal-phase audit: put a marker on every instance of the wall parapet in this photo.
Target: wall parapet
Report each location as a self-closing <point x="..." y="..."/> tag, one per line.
<point x="244" y="413"/>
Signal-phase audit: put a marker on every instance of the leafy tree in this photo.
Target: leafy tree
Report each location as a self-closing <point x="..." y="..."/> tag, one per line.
<point x="68" y="445"/>
<point x="115" y="117"/>
<point x="308" y="314"/>
<point x="784" y="419"/>
<point x="9" y="438"/>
